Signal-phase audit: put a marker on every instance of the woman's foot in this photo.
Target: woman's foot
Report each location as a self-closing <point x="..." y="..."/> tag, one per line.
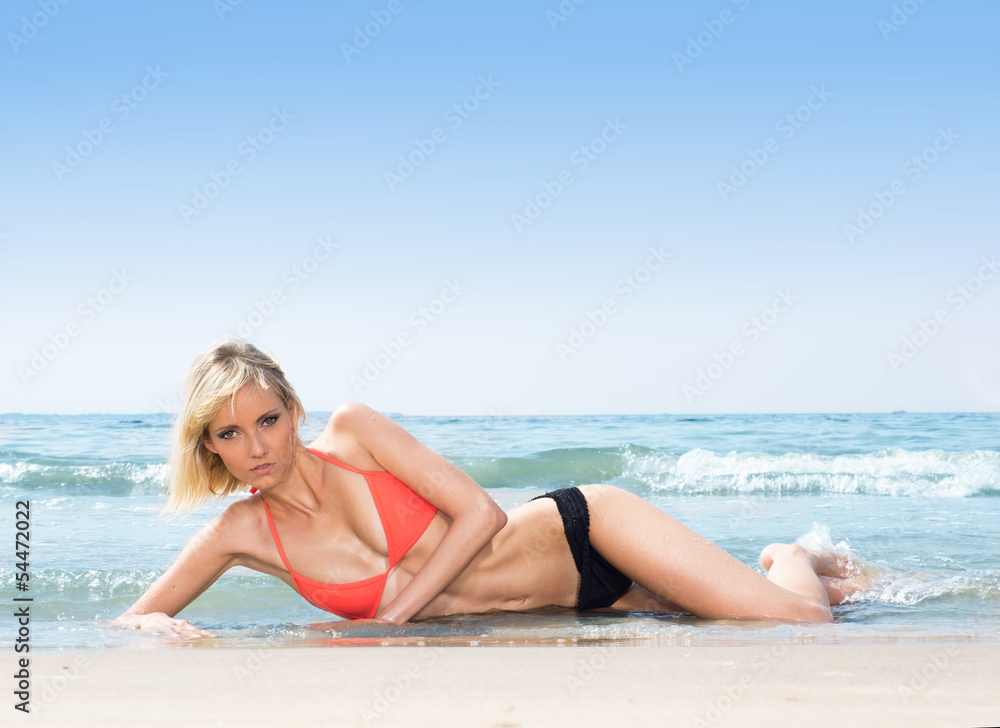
<point x="825" y="563"/>
<point x="838" y="589"/>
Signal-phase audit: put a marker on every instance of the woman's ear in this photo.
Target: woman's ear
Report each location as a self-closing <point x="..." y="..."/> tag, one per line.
<point x="207" y="442"/>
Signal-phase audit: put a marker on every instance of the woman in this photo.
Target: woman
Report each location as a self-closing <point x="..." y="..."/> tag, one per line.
<point x="366" y="498"/>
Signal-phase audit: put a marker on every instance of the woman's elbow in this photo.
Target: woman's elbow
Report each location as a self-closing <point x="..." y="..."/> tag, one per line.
<point x="499" y="519"/>
<point x="492" y="517"/>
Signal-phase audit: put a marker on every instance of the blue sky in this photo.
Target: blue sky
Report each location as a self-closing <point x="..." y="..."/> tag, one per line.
<point x="460" y="208"/>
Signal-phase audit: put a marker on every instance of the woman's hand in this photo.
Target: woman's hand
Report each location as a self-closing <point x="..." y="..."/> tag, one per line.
<point x="161" y="623"/>
<point x="208" y="555"/>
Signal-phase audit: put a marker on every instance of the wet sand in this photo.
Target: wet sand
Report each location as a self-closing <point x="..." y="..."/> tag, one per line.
<point x="912" y="684"/>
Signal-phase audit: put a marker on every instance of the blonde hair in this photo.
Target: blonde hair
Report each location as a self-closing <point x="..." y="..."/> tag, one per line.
<point x="218" y="373"/>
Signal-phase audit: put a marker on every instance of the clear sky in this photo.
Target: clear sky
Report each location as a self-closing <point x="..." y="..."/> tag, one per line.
<point x="516" y="207"/>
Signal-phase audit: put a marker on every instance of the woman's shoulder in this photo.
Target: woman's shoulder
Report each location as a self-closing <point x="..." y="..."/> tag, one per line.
<point x="239" y="518"/>
<point x="341" y="438"/>
<point x="241" y="528"/>
<point x="350" y="417"/>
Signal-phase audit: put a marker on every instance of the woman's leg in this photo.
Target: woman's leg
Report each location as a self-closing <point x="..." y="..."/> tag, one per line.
<point x="677" y="565"/>
<point x="835" y="571"/>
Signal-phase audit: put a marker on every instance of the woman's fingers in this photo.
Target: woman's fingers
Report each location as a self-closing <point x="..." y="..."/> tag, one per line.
<point x="160" y="622"/>
<point x="186" y="627"/>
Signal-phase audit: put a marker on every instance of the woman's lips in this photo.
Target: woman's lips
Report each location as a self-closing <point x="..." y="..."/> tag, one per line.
<point x="263" y="469"/>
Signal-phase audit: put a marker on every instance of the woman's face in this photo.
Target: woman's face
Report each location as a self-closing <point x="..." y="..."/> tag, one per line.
<point x="254" y="437"/>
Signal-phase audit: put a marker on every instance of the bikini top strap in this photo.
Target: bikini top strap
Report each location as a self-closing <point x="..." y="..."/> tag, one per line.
<point x="277" y="541"/>
<point x="333" y="460"/>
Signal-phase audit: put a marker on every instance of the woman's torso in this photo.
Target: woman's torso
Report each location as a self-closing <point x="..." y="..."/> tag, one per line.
<point x="527" y="565"/>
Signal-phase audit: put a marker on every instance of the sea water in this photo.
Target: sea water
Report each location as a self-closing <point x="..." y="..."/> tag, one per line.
<point x="914" y="497"/>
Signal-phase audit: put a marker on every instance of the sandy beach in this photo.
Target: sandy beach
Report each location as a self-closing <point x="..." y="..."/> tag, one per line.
<point x="930" y="683"/>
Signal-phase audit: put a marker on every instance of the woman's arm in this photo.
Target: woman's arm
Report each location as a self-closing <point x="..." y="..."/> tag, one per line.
<point x="475" y="516"/>
<point x="208" y="555"/>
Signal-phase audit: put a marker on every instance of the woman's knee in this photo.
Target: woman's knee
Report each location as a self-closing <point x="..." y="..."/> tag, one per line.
<point x="770" y="553"/>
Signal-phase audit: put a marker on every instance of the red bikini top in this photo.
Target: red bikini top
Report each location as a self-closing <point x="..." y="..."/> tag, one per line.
<point x="404" y="515"/>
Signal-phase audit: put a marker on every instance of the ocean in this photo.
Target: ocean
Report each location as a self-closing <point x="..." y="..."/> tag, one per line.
<point x="916" y="497"/>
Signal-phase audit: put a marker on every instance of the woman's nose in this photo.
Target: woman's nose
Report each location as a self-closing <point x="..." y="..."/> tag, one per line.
<point x="257" y="446"/>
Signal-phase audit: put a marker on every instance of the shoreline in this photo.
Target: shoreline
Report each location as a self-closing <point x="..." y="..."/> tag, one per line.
<point x="948" y="683"/>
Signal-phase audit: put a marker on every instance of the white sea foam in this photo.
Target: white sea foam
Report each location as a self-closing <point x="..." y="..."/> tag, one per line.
<point x="893" y="587"/>
<point x="109" y="477"/>
<point x="14" y="472"/>
<point x="888" y="472"/>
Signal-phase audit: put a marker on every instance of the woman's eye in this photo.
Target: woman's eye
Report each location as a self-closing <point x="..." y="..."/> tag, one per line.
<point x="271" y="420"/>
<point x="227" y="435"/>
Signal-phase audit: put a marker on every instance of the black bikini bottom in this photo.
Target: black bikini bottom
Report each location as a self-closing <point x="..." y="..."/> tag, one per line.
<point x="601" y="584"/>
